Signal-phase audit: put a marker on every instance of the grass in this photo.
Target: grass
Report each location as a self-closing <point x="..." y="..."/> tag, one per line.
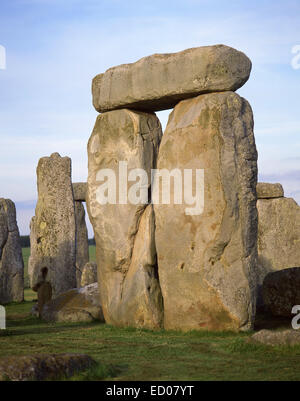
<point x="133" y="354"/>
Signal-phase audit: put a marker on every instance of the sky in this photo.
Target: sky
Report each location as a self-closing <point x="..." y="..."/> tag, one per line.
<point x="55" y="47"/>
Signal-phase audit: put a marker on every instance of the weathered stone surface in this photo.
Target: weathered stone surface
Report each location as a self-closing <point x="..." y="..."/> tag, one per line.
<point x="278" y="236"/>
<point x="269" y="337"/>
<point x="76" y="305"/>
<point x="79" y="191"/>
<point x="89" y="274"/>
<point x="131" y="137"/>
<point x="52" y="236"/>
<point x="43" y="367"/>
<point x="160" y="81"/>
<point x="280" y="291"/>
<point x="141" y="303"/>
<point x="82" y="245"/>
<point x="207" y="262"/>
<point x="11" y="260"/>
<point x="265" y="190"/>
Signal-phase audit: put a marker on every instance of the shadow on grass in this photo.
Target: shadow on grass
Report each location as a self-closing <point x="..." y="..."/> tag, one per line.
<point x="36" y="326"/>
<point x="98" y="372"/>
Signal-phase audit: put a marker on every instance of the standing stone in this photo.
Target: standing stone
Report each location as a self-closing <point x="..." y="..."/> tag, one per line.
<point x="278" y="236"/>
<point x="79" y="191"/>
<point x="280" y="291"/>
<point x="265" y="190"/>
<point x="160" y="81"/>
<point x="206" y="262"/>
<point x="124" y="231"/>
<point x="89" y="274"/>
<point x="82" y="244"/>
<point x="53" y="229"/>
<point x="11" y="260"/>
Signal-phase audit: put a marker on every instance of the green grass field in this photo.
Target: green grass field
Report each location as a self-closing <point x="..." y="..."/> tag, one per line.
<point x="132" y="354"/>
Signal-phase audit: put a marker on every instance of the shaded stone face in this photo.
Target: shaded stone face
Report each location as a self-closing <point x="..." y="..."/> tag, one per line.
<point x="11" y="260"/>
<point x="278" y="236"/>
<point x="82" y="245"/>
<point x="281" y="291"/>
<point x="123" y="231"/>
<point x="160" y="81"/>
<point x="53" y="228"/>
<point x="207" y="262"/>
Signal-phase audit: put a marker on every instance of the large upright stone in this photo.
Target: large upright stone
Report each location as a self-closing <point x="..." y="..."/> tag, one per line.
<point x="207" y="262"/>
<point x="160" y="81"/>
<point x="79" y="191"/>
<point x="53" y="229"/>
<point x="124" y="232"/>
<point x="11" y="260"/>
<point x="82" y="244"/>
<point x="278" y="235"/>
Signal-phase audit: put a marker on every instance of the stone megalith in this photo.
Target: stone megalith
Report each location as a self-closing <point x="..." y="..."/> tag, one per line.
<point x="53" y="228"/>
<point x="160" y="81"/>
<point x="207" y="262"/>
<point x="79" y="191"/>
<point x="89" y="274"/>
<point x="76" y="305"/>
<point x="280" y="291"/>
<point x="265" y="190"/>
<point x="123" y="141"/>
<point x="11" y="260"/>
<point x="278" y="235"/>
<point x="82" y="244"/>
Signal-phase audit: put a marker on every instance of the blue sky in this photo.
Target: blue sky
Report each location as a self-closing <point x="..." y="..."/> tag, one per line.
<point x="55" y="47"/>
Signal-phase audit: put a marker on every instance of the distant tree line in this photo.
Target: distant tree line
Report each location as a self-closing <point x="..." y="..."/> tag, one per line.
<point x="92" y="241"/>
<point x="25" y="241"/>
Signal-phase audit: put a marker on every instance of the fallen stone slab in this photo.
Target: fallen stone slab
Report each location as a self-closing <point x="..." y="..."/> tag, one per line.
<point x="79" y="191"/>
<point x="280" y="291"/>
<point x="269" y="337"/>
<point x="76" y="305"/>
<point x="160" y="81"/>
<point x="265" y="190"/>
<point x="43" y="367"/>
